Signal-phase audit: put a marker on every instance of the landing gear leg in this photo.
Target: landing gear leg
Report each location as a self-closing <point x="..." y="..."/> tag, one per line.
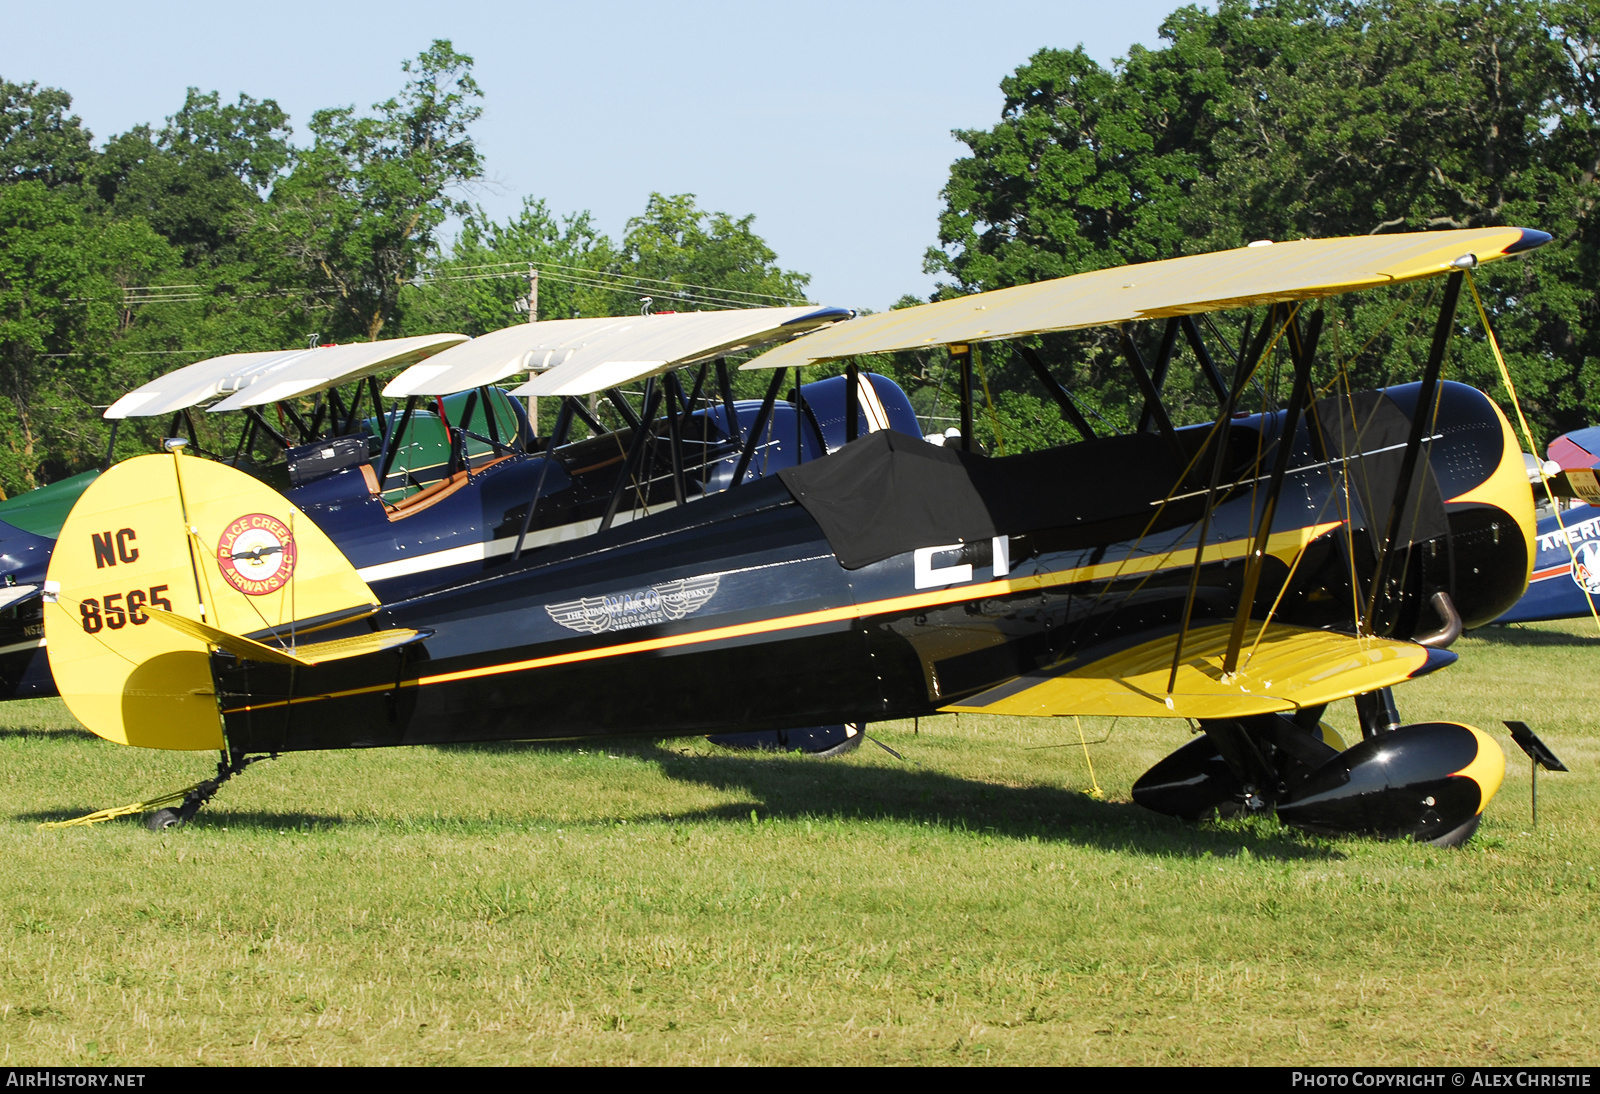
<point x="1377" y="712"/>
<point x="197" y="795"/>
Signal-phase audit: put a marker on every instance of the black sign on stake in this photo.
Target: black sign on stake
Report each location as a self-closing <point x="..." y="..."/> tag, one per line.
<point x="1540" y="755"/>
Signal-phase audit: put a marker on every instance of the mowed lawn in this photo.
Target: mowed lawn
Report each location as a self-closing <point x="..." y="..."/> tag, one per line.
<point x="674" y="902"/>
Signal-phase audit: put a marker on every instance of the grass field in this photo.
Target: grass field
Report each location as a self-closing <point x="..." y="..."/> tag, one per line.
<point x="673" y="902"/>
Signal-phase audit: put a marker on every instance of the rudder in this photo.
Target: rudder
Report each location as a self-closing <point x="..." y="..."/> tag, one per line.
<point x="202" y="541"/>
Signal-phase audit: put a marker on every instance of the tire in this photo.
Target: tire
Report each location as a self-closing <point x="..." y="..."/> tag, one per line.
<point x="162" y="819"/>
<point x="1457" y="835"/>
<point x="849" y="744"/>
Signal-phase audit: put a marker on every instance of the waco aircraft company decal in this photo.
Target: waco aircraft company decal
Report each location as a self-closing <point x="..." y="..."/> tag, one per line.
<point x="664" y="603"/>
<point x="256" y="554"/>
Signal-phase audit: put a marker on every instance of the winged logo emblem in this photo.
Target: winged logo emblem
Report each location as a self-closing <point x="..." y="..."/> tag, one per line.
<point x="663" y="603"/>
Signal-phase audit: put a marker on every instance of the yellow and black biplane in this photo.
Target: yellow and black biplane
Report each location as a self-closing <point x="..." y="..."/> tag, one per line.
<point x="1241" y="574"/>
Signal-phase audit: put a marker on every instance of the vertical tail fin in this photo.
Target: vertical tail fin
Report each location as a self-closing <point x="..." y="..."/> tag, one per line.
<point x="194" y="538"/>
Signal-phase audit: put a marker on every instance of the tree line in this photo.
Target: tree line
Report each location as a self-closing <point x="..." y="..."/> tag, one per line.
<point x="1261" y="119"/>
<point x="1289" y="119"/>
<point x="215" y="234"/>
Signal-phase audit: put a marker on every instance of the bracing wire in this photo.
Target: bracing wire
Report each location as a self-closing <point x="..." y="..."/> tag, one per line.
<point x="1527" y="435"/>
<point x="554" y="271"/>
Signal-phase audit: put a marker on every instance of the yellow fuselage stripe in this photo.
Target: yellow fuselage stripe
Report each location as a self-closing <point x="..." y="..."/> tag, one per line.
<point x="1281" y="543"/>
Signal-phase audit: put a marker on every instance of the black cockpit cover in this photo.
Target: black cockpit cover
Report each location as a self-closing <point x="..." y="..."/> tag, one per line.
<point x="889" y="493"/>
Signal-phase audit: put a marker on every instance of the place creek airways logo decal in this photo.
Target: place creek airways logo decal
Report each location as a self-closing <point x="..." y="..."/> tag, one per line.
<point x="256" y="554"/>
<point x="664" y="603"/>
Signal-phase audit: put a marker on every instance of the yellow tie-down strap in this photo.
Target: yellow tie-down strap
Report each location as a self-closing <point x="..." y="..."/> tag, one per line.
<point x="1292" y="667"/>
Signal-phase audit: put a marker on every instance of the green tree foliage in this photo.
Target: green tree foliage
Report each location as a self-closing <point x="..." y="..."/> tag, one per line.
<point x="483" y="285"/>
<point x="688" y="259"/>
<point x="681" y="257"/>
<point x="358" y="216"/>
<point x="60" y="322"/>
<point x="43" y="276"/>
<point x="197" y="180"/>
<point x="39" y="140"/>
<point x="211" y="234"/>
<point x="1289" y="119"/>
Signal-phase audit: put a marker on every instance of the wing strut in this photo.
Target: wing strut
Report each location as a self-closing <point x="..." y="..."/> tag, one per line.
<point x="326" y="403"/>
<point x="1191" y="331"/>
<point x="1169" y="339"/>
<point x="246" y="435"/>
<point x="396" y="434"/>
<point x="490" y="419"/>
<point x="1420" y="421"/>
<point x="726" y="387"/>
<point x="1303" y="350"/>
<point x="1219" y="437"/>
<point x="458" y="435"/>
<point x="254" y="414"/>
<point x="799" y="421"/>
<point x="852" y="409"/>
<point x="620" y="401"/>
<point x="757" y="426"/>
<point x="676" y="405"/>
<point x="307" y="433"/>
<point x="1152" y="397"/>
<point x="962" y="354"/>
<point x="652" y="403"/>
<point x="688" y="416"/>
<point x="1069" y="409"/>
<point x="596" y="428"/>
<point x="377" y="399"/>
<point x="803" y="413"/>
<point x="557" y="436"/>
<point x="349" y="421"/>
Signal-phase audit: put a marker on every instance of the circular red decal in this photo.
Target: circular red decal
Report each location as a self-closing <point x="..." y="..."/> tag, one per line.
<point x="256" y="554"/>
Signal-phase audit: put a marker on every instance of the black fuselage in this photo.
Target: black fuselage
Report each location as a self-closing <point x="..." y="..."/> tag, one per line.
<point x="736" y="612"/>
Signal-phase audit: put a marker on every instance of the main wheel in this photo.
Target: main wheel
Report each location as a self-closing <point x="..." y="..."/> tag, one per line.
<point x="162" y="819"/>
<point x="1458" y="835"/>
<point x="850" y="743"/>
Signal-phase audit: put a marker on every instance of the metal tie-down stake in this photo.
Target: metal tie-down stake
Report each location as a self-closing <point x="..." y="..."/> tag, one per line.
<point x="1540" y="756"/>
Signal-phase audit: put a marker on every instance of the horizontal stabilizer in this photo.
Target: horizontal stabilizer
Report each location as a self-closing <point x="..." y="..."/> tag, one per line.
<point x="12" y="595"/>
<point x="1293" y="667"/>
<point x="314" y="653"/>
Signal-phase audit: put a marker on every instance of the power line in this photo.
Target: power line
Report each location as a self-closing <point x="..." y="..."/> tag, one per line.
<point x="614" y="281"/>
<point x="600" y="279"/>
<point x="125" y="353"/>
<point x="635" y="279"/>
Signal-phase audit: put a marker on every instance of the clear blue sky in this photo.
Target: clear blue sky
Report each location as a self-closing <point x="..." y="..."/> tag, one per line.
<point x="829" y="121"/>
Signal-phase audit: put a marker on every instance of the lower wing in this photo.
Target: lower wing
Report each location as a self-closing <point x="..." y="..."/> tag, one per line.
<point x="1287" y="669"/>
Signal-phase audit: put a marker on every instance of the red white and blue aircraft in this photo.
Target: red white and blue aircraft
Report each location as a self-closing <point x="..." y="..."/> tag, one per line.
<point x="1565" y="582"/>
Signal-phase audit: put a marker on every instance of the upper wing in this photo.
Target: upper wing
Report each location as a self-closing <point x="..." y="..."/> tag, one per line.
<point x="1297" y="270"/>
<point x="1293" y="667"/>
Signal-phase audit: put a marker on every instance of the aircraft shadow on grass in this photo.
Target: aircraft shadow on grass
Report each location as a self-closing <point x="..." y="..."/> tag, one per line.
<point x="248" y="821"/>
<point x="1513" y="636"/>
<point x="811" y="788"/>
<point x="17" y="733"/>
